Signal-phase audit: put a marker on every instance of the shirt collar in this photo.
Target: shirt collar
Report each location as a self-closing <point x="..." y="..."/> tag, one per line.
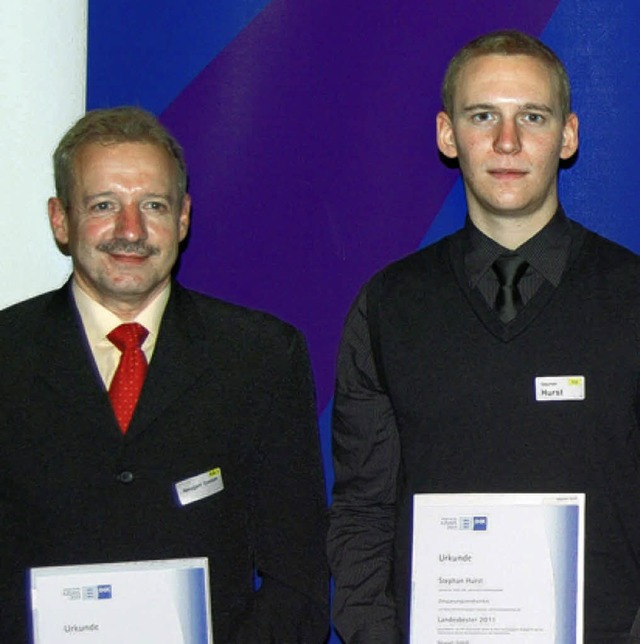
<point x="547" y="251"/>
<point x="98" y="321"/>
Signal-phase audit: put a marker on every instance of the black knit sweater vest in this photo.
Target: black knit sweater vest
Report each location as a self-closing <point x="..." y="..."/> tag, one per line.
<point x="462" y="385"/>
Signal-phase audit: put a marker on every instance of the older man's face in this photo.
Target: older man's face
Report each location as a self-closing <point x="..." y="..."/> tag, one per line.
<point x="124" y="224"/>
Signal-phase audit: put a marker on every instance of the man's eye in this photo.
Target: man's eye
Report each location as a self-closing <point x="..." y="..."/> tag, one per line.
<point x="482" y="117"/>
<point x="101" y="206"/>
<point x="155" y="205"/>
<point x="534" y="118"/>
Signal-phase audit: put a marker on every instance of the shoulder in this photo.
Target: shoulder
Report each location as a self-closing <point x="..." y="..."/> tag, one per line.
<point x="29" y="307"/>
<point x="26" y="317"/>
<point x="246" y="343"/>
<point x="604" y="271"/>
<point x="606" y="258"/>
<point x="242" y="325"/>
<point x="422" y="259"/>
<point x="609" y="251"/>
<point x="427" y="270"/>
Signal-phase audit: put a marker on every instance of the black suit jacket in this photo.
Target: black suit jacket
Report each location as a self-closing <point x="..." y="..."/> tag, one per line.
<point x="226" y="388"/>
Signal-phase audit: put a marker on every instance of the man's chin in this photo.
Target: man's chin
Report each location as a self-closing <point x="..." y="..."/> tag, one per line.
<point x="512" y="208"/>
<point x="129" y="290"/>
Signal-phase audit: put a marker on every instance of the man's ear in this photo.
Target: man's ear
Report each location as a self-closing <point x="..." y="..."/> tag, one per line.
<point x="58" y="220"/>
<point x="184" y="217"/>
<point x="445" y="137"/>
<point x="570" y="138"/>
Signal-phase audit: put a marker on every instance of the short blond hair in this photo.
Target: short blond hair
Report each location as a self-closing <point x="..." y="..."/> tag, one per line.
<point x="508" y="42"/>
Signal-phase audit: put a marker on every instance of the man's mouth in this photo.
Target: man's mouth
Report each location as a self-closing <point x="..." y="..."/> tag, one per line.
<point x="128" y="258"/>
<point x="507" y="173"/>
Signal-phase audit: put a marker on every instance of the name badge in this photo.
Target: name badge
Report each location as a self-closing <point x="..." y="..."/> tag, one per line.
<point x="199" y="487"/>
<point x="555" y="388"/>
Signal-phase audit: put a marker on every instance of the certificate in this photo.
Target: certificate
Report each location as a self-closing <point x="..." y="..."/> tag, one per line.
<point x="490" y="568"/>
<point x="122" y="603"/>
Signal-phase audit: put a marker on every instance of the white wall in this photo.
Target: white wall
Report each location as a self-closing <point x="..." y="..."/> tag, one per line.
<point x="43" y="48"/>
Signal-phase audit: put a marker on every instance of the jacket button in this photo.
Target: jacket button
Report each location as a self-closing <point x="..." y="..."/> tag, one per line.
<point x="125" y="477"/>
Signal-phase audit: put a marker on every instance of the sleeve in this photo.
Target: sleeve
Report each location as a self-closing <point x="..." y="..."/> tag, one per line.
<point x="14" y="600"/>
<point x="289" y="514"/>
<point x="366" y="454"/>
<point x="16" y="525"/>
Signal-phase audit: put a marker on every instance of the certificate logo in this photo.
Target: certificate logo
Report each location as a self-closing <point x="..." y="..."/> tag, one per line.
<point x="470" y="523"/>
<point x="91" y="593"/>
<point x="474" y="524"/>
<point x="480" y="523"/>
<point x="104" y="592"/>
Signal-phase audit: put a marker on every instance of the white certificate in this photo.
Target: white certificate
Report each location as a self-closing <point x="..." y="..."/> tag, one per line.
<point x="122" y="603"/>
<point x="490" y="568"/>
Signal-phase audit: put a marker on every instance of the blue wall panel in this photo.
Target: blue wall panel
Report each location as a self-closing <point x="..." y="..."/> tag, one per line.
<point x="145" y="53"/>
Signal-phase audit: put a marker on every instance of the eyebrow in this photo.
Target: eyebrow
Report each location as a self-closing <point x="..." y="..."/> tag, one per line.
<point x="98" y="195"/>
<point x="108" y="194"/>
<point x="526" y="107"/>
<point x="160" y="195"/>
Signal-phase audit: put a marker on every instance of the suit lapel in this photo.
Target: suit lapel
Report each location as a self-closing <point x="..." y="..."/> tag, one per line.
<point x="180" y="358"/>
<point x="67" y="365"/>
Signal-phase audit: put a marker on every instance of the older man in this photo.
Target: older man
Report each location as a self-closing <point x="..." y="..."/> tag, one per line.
<point x="122" y="386"/>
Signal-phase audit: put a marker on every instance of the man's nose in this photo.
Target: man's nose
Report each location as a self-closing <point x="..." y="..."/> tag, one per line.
<point x="507" y="139"/>
<point x="130" y="224"/>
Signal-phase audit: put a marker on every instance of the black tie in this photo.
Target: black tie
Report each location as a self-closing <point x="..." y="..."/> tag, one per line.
<point x="509" y="269"/>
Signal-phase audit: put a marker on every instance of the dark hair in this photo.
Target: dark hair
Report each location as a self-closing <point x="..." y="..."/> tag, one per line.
<point x="508" y="42"/>
<point x="114" y="125"/>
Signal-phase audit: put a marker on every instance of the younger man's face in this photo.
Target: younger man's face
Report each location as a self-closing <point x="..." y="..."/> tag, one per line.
<point x="508" y="134"/>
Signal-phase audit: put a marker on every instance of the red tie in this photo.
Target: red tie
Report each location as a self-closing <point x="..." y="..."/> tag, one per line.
<point x="132" y="368"/>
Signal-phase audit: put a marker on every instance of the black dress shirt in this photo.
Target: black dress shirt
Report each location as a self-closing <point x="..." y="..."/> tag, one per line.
<point x="546" y="253"/>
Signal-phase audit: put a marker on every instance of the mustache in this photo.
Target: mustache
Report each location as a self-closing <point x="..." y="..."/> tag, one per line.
<point x="138" y="247"/>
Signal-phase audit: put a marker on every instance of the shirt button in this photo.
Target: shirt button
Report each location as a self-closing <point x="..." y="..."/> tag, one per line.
<point x="125" y="477"/>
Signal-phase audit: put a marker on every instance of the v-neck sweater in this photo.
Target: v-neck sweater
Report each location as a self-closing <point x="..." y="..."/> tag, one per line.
<point x="436" y="394"/>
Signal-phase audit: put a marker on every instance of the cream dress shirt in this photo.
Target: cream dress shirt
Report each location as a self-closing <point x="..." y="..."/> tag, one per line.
<point x="98" y="322"/>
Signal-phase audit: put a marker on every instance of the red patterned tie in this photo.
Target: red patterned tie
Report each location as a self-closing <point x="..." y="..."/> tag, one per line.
<point x="132" y="368"/>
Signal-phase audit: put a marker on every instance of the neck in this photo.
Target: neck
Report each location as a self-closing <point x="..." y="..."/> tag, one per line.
<point x="125" y="308"/>
<point x="511" y="231"/>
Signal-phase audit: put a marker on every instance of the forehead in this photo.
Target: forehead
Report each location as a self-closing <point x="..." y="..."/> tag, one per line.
<point x="495" y="77"/>
<point x="97" y="162"/>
